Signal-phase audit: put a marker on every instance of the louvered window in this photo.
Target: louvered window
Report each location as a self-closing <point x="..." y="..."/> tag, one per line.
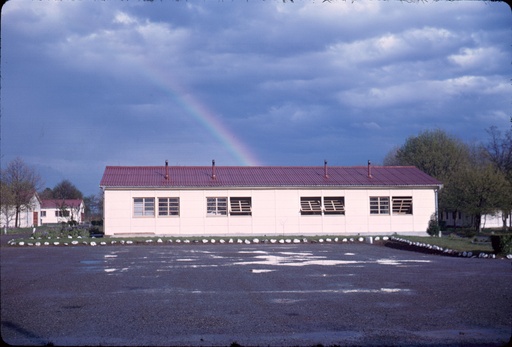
<point x="379" y="205"/>
<point x="310" y="205"/>
<point x="168" y="206"/>
<point x="334" y="205"/>
<point x="402" y="205"/>
<point x="144" y="207"/>
<point x="240" y="206"/>
<point x="216" y="206"/>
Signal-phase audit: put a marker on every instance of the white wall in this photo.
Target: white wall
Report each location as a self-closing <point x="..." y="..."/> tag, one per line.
<point x="274" y="212"/>
<point x="494" y="221"/>
<point x="75" y="213"/>
<point x="25" y="217"/>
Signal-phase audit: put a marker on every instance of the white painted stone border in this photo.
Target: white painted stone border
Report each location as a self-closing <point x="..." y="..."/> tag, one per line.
<point x="366" y="239"/>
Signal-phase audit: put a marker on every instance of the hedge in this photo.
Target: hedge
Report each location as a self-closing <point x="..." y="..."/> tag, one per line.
<point x="502" y="244"/>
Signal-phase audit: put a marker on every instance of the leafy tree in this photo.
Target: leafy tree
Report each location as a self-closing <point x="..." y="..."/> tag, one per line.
<point x="66" y="190"/>
<point x="46" y="194"/>
<point x="477" y="180"/>
<point x="434" y="152"/>
<point x="437" y="154"/>
<point x="19" y="182"/>
<point x="477" y="192"/>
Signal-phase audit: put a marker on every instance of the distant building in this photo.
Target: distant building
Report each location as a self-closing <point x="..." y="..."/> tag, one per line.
<point x="461" y="220"/>
<point x="28" y="216"/>
<point x="62" y="210"/>
<point x="234" y="200"/>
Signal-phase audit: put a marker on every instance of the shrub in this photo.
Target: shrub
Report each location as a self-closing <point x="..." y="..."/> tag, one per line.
<point x="502" y="244"/>
<point x="433" y="226"/>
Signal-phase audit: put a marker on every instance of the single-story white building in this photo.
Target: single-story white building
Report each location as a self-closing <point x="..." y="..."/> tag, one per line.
<point x="62" y="211"/>
<point x="238" y="201"/>
<point x="462" y="220"/>
<point x="28" y="215"/>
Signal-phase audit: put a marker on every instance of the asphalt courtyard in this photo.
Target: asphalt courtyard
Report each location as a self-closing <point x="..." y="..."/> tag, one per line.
<point x="252" y="295"/>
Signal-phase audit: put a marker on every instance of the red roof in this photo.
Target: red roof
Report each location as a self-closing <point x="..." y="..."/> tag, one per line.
<point x="264" y="176"/>
<point x="59" y="203"/>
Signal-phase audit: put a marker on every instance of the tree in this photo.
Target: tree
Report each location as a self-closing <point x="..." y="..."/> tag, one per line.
<point x="498" y="151"/>
<point x="432" y="151"/>
<point x="46" y="194"/>
<point x="21" y="182"/>
<point x="6" y="203"/>
<point x="477" y="192"/>
<point x="66" y="190"/>
<point x="94" y="206"/>
<point x="437" y="154"/>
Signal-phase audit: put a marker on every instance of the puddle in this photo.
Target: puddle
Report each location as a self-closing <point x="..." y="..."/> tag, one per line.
<point x="259" y="271"/>
<point x="91" y="262"/>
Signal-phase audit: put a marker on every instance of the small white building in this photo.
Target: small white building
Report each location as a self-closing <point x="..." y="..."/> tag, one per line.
<point x="56" y="211"/>
<point x="462" y="220"/>
<point x="259" y="201"/>
<point x="28" y="216"/>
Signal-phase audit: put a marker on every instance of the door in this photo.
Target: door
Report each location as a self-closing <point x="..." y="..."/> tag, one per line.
<point x="35" y="219"/>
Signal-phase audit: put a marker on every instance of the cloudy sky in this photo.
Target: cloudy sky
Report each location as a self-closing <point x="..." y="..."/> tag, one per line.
<point x="87" y="83"/>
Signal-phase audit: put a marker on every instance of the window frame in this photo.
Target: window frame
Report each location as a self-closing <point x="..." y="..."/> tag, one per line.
<point x="337" y="209"/>
<point x="380" y="203"/>
<point x="406" y="203"/>
<point x="62" y="213"/>
<point x="145" y="207"/>
<point x="240" y="206"/>
<point x="171" y="206"/>
<point x="309" y="209"/>
<point x="219" y="209"/>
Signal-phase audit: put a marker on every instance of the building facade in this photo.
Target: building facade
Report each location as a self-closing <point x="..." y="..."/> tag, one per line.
<point x="28" y="215"/>
<point x="258" y="201"/>
<point x="488" y="221"/>
<point x="57" y="211"/>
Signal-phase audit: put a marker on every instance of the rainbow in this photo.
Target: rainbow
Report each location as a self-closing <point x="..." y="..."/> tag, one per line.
<point x="205" y="117"/>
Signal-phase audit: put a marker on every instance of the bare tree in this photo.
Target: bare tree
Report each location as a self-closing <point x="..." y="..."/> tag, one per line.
<point x="21" y="182"/>
<point x="7" y="212"/>
<point x="94" y="206"/>
<point x="498" y="151"/>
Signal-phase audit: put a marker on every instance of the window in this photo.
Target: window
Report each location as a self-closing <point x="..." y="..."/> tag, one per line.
<point x="43" y="213"/>
<point x="402" y="204"/>
<point x="168" y="206"/>
<point x="334" y="205"/>
<point x="216" y="206"/>
<point x="144" y="207"/>
<point x="310" y="205"/>
<point x="240" y="206"/>
<point x="379" y="205"/>
<point x="62" y="213"/>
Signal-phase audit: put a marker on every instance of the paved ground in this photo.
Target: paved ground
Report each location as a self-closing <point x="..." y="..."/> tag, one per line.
<point x="278" y="295"/>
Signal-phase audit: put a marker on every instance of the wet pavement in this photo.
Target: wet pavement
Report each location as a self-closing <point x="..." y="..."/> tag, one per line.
<point x="260" y="294"/>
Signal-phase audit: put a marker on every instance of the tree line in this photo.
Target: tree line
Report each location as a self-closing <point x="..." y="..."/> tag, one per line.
<point x="19" y="183"/>
<point x="477" y="178"/>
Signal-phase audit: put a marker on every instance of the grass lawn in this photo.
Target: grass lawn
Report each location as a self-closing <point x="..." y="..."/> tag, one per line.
<point x="462" y="244"/>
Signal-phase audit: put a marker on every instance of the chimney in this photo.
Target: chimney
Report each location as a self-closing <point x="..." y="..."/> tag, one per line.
<point x="166" y="170"/>
<point x="326" y="175"/>
<point x="213" y="170"/>
<point x="370" y="169"/>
